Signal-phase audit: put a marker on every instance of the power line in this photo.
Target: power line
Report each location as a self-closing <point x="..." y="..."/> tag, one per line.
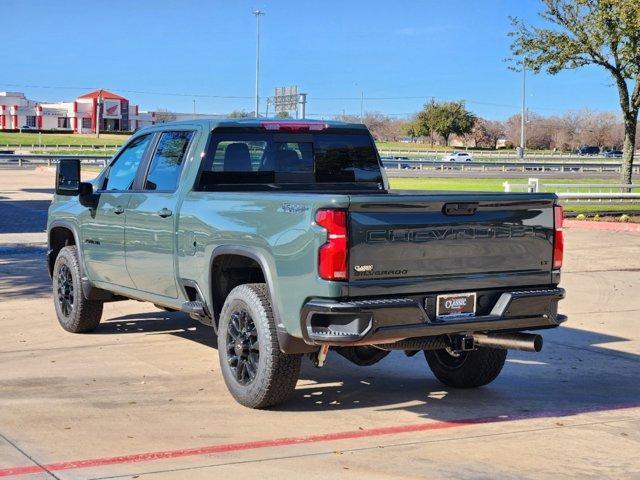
<point x="249" y="97"/>
<point x="124" y="90"/>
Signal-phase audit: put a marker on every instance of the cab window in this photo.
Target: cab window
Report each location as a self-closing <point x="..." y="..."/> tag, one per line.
<point x="123" y="171"/>
<point x="166" y="164"/>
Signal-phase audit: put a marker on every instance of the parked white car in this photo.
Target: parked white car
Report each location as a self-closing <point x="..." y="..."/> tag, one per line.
<point x="458" y="157"/>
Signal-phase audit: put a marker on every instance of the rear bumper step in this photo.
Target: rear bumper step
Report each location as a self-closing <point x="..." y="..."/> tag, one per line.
<point x="380" y="321"/>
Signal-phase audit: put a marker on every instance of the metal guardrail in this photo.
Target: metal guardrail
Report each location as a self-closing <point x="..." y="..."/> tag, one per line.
<point x="65" y="146"/>
<point x="21" y="160"/>
<point x="33" y="160"/>
<point x="509" y="166"/>
<point x="582" y="192"/>
<point x="487" y="153"/>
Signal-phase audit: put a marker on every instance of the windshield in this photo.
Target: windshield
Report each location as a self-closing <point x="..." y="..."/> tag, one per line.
<point x="289" y="160"/>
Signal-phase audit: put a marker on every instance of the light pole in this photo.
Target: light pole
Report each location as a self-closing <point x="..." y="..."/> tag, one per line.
<point x="194" y="106"/>
<point x="303" y="104"/>
<point x="257" y="13"/>
<point x="522" y="113"/>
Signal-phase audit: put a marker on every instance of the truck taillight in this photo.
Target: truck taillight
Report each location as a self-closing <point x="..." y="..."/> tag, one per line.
<point x="558" y="236"/>
<point x="332" y="257"/>
<point x="294" y="126"/>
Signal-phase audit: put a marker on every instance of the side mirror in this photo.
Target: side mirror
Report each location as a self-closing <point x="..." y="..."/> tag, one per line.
<point x="68" y="177"/>
<point x="68" y="183"/>
<point x="87" y="197"/>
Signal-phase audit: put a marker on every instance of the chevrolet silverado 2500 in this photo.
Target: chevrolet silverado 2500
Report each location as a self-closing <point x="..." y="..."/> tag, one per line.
<point x="284" y="237"/>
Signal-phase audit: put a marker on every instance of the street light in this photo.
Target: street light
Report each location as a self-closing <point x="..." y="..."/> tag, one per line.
<point x="257" y="13"/>
<point x="522" y="114"/>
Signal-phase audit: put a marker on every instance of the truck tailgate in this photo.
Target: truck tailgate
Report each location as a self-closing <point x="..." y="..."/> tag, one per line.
<point x="447" y="235"/>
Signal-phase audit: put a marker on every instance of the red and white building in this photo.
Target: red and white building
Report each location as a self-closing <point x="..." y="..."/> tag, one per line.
<point x="100" y="108"/>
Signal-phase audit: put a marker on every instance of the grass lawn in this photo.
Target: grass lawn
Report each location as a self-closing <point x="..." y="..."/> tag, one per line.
<point x="28" y="139"/>
<point x="482" y="184"/>
<point x="599" y="208"/>
<point x="107" y="152"/>
<point x="411" y="146"/>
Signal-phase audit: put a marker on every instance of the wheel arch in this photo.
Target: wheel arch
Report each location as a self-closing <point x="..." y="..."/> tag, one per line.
<point x="60" y="234"/>
<point x="232" y="256"/>
<point x="255" y="258"/>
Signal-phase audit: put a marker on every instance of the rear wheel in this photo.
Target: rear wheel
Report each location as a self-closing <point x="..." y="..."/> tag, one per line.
<point x="256" y="372"/>
<point x="468" y="369"/>
<point x="75" y="313"/>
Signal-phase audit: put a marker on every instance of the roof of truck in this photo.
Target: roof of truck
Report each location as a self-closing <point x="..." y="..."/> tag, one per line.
<point x="256" y="122"/>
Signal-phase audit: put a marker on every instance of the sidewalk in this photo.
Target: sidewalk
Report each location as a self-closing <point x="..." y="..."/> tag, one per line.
<point x="33" y="238"/>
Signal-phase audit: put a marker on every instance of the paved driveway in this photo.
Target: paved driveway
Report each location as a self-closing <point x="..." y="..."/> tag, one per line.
<point x="143" y="395"/>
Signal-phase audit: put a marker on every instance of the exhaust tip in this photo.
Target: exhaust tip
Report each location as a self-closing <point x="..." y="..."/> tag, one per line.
<point x="527" y="342"/>
<point x="537" y="343"/>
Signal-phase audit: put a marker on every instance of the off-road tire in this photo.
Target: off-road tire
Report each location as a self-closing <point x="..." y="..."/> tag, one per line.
<point x="275" y="373"/>
<point x="76" y="314"/>
<point x="470" y="369"/>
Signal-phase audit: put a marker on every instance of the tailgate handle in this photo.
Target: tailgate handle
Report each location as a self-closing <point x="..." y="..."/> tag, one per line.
<point x="460" y="208"/>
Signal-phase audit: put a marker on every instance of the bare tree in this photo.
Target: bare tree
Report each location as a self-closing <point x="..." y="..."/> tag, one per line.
<point x="599" y="129"/>
<point x="163" y="116"/>
<point x="486" y="133"/>
<point x="382" y="127"/>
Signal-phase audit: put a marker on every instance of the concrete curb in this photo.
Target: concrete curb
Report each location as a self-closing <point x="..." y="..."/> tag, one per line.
<point x="610" y="226"/>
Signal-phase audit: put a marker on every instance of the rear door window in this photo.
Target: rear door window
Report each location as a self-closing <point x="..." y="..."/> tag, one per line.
<point x="166" y="164"/>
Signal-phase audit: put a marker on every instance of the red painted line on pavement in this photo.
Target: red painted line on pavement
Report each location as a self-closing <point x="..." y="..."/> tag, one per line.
<point x="280" y="442"/>
<point x="611" y="226"/>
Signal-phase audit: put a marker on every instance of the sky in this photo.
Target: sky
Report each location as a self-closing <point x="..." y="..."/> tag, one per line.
<point x="397" y="53"/>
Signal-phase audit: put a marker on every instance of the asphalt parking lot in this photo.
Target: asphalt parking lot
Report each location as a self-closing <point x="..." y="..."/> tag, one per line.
<point x="142" y="396"/>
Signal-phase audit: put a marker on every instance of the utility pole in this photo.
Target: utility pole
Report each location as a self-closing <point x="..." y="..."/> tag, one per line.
<point x="194" y="106"/>
<point x="257" y="13"/>
<point x="98" y="108"/>
<point x="523" y="112"/>
<point x="303" y="103"/>
<point x="362" y="106"/>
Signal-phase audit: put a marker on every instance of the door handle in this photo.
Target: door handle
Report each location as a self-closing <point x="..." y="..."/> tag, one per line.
<point x="165" y="212"/>
<point x="460" y="208"/>
<point x="118" y="210"/>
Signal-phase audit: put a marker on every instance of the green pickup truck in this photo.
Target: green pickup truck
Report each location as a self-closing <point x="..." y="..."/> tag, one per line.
<point x="284" y="237"/>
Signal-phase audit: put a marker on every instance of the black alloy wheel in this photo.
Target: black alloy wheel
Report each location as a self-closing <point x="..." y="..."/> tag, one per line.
<point x="243" y="347"/>
<point x="66" y="295"/>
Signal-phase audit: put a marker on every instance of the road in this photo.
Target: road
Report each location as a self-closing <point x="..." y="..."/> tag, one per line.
<point x="142" y="396"/>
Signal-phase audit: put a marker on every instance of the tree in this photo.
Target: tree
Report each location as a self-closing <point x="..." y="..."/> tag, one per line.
<point x="445" y="118"/>
<point x="240" y="114"/>
<point x="599" y="128"/>
<point x="605" y="33"/>
<point x="410" y="129"/>
<point x="486" y="133"/>
<point x="381" y="126"/>
<point x="163" y="116"/>
<point x="283" y="114"/>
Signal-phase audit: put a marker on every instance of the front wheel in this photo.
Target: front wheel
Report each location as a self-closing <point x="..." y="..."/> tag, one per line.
<point x="75" y="313"/>
<point x="467" y="369"/>
<point x="256" y="372"/>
